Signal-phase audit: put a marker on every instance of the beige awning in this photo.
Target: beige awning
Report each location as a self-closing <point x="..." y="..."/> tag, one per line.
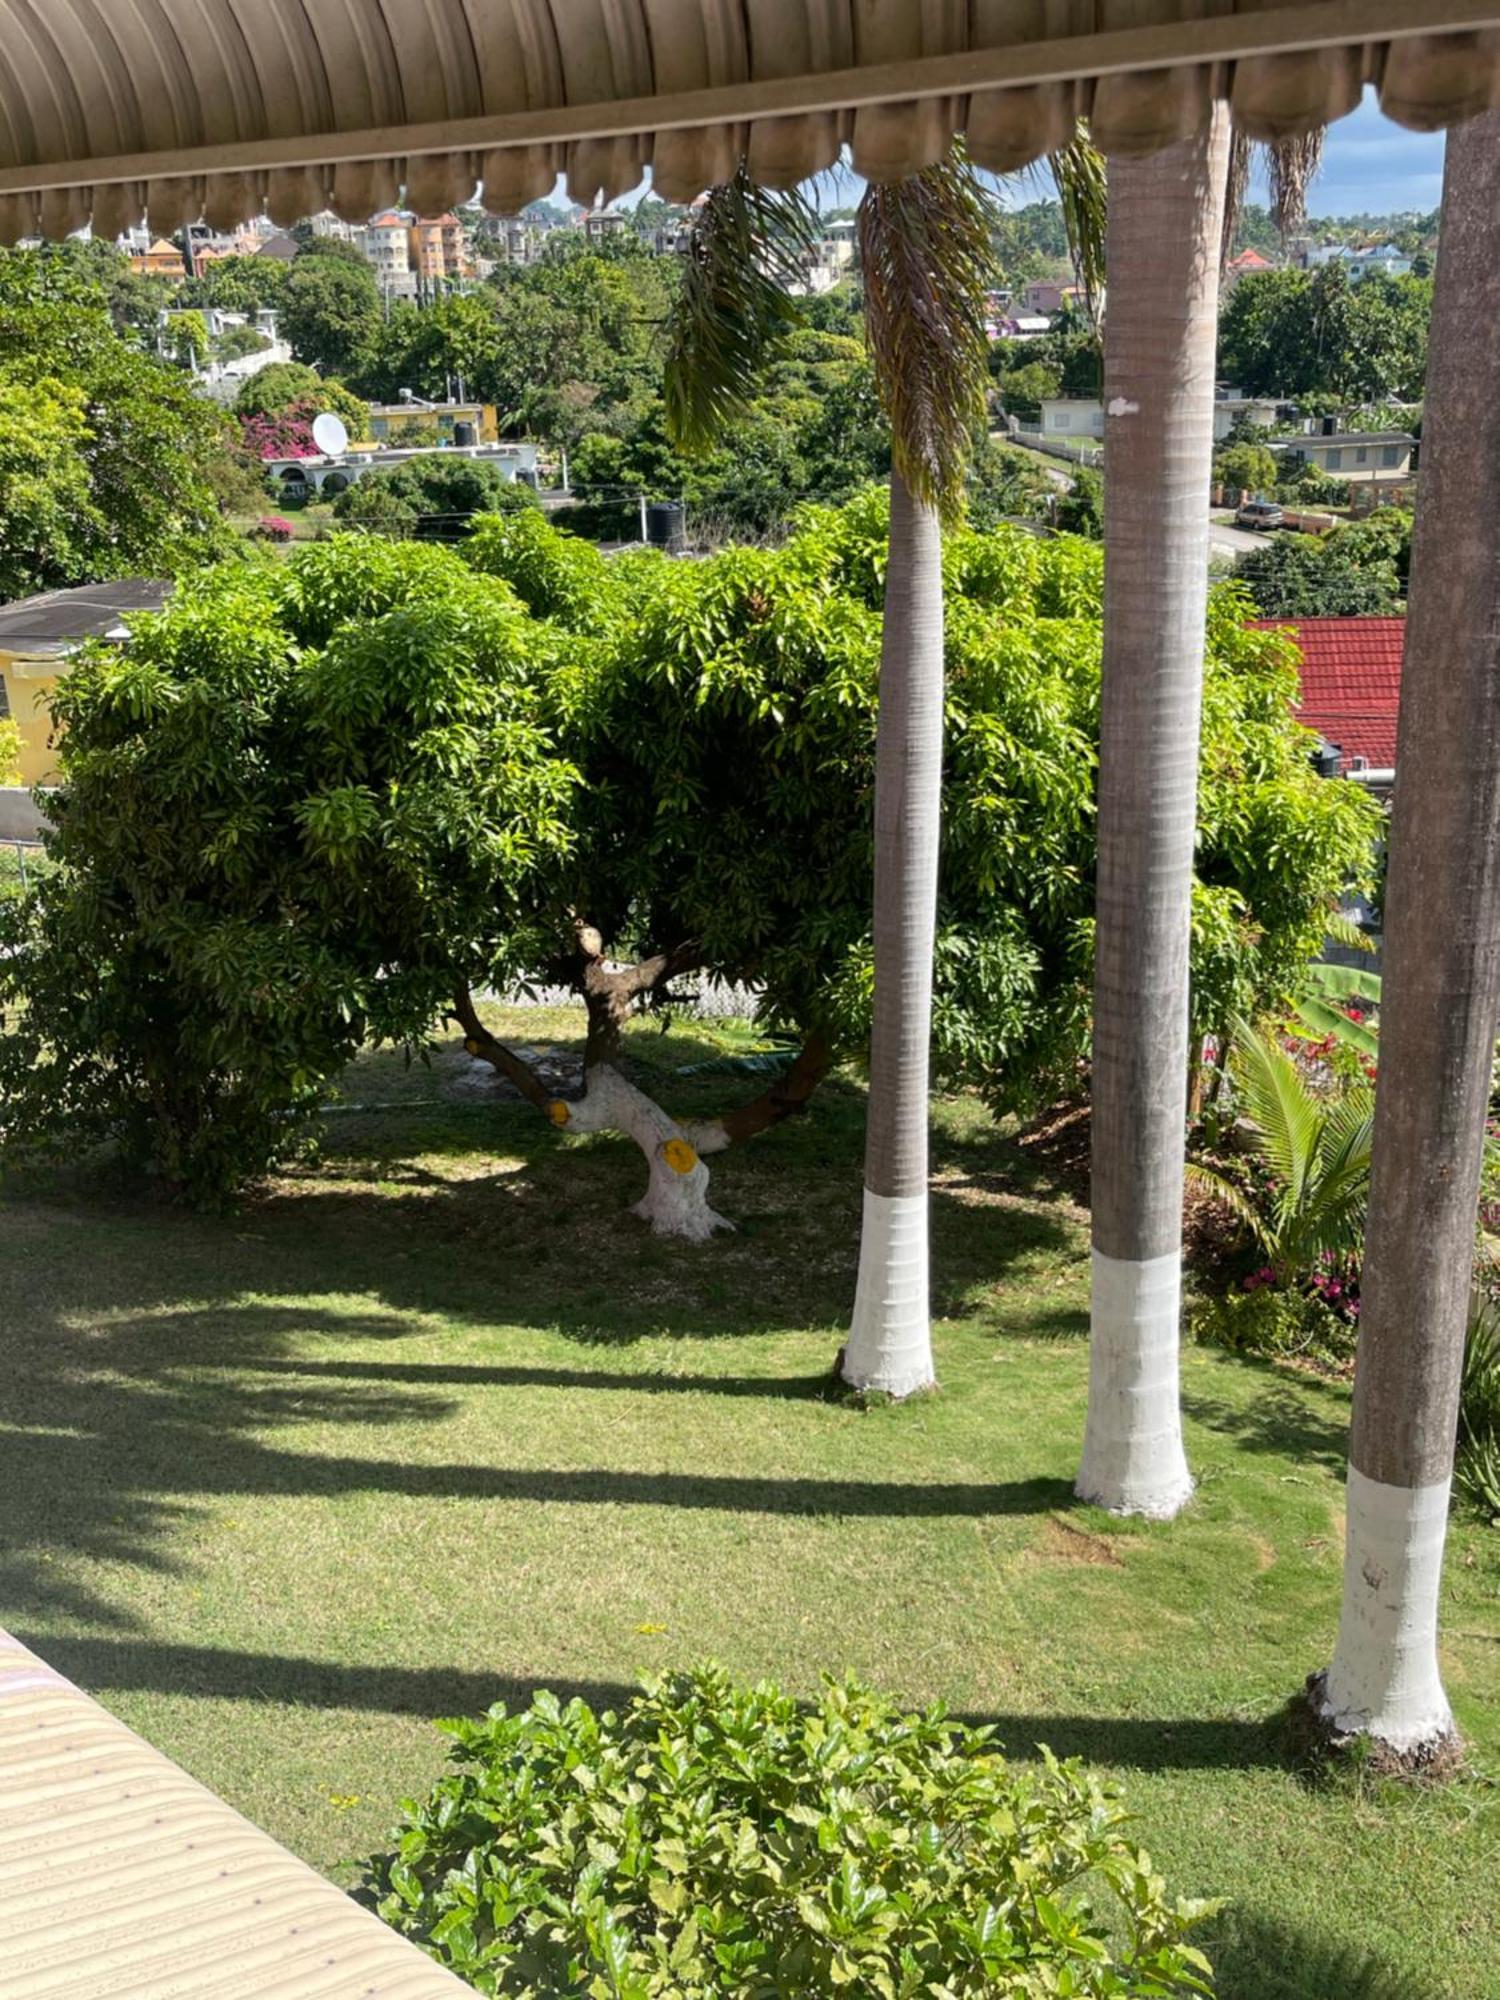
<point x="115" y="109"/>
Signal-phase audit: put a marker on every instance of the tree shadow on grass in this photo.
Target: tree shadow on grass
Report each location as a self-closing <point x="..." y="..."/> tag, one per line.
<point x="1260" y="1957"/>
<point x="121" y="1664"/>
<point x="1281" y="1419"/>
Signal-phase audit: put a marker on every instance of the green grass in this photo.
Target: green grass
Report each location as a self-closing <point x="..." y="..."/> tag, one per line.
<point x="434" y="1422"/>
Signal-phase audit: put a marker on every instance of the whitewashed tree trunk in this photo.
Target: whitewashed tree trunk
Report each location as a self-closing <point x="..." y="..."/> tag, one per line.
<point x="890" y="1337"/>
<point x="1165" y="216"/>
<point x="1441" y="996"/>
<point x="676" y="1199"/>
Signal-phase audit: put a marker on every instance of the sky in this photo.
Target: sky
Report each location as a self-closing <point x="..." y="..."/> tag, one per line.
<point x="1373" y="167"/>
<point x="1370" y="167"/>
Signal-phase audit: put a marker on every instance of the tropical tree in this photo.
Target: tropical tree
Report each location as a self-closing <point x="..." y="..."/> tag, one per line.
<point x="337" y="798"/>
<point x="1165" y="215"/>
<point x="1440" y="1000"/>
<point x="1314" y="1152"/>
<point x="926" y="256"/>
<point x="106" y="455"/>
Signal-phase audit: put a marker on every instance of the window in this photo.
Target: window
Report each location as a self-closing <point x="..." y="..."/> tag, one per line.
<point x="1335" y="459"/>
<point x="1059" y="420"/>
<point x="4" y="700"/>
<point x="1390" y="454"/>
<point x="1361" y="457"/>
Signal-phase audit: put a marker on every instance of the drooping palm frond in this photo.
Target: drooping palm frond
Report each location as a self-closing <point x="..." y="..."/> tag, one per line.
<point x="1291" y="168"/>
<point x="733" y="311"/>
<point x="927" y="259"/>
<point x="1343" y="930"/>
<point x="1081" y="176"/>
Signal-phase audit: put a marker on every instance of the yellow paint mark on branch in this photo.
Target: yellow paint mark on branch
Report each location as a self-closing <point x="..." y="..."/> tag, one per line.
<point x="558" y="1112"/>
<point x="679" y="1156"/>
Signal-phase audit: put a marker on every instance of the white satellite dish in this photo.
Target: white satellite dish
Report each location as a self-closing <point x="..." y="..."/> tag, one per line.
<point x="330" y="436"/>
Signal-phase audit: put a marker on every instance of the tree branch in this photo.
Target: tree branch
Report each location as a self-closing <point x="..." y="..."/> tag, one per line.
<point x="785" y="1098"/>
<point x="480" y="1042"/>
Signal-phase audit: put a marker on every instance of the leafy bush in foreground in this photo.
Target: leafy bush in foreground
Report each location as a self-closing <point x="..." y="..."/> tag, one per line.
<point x="712" y="1840"/>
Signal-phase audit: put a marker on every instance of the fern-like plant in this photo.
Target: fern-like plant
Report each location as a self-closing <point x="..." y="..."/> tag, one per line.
<point x="1476" y="1469"/>
<point x="1308" y="1199"/>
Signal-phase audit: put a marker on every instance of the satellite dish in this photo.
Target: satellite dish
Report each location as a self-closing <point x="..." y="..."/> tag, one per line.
<point x="330" y="436"/>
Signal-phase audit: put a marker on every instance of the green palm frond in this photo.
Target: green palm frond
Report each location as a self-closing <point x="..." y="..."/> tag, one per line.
<point x="927" y="260"/>
<point x="1345" y="931"/>
<point x="733" y="312"/>
<point x="1284" y="1113"/>
<point x="1079" y="171"/>
<point x="1233" y="1197"/>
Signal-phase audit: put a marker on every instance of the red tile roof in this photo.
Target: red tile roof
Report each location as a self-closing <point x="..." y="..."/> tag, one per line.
<point x="1351" y="682"/>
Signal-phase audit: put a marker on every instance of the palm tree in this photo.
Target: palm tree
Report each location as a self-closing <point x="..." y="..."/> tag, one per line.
<point x="926" y="257"/>
<point x="1165" y="215"/>
<point x="1314" y="1149"/>
<point x="1440" y="1000"/>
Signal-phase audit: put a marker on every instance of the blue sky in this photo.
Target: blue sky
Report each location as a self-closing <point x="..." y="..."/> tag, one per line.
<point x="1373" y="167"/>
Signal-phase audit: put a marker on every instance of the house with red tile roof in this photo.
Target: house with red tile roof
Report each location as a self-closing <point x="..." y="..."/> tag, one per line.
<point x="1351" y="687"/>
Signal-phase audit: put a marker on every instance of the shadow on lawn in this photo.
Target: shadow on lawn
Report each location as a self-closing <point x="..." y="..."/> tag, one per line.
<point x="116" y="1664"/>
<point x="1280" y="1419"/>
<point x="1259" y="1957"/>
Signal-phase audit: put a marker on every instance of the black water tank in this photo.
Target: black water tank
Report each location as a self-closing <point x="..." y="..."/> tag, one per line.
<point x="1330" y="427"/>
<point x="666" y="526"/>
<point x="1327" y="759"/>
<point x="465" y="436"/>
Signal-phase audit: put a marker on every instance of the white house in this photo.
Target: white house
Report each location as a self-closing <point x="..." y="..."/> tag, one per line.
<point x="1375" y="458"/>
<point x="333" y="475"/>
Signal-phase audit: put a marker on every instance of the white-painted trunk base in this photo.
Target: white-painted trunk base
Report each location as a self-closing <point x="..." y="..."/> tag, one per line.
<point x="1384" y="1681"/>
<point x="676" y="1199"/>
<point x="1133" y="1460"/>
<point x="890" y="1338"/>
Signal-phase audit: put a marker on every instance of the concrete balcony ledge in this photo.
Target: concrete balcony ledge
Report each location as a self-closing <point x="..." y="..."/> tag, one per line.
<point x="122" y="1878"/>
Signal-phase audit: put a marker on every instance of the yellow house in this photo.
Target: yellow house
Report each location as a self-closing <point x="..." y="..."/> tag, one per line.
<point x="438" y="421"/>
<point x="37" y="635"/>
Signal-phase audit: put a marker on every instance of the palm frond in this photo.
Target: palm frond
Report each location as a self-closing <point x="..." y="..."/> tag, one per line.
<point x="1222" y="1189"/>
<point x="1345" y="931"/>
<point x="733" y="311"/>
<point x="1235" y="189"/>
<point x="1292" y="166"/>
<point x="927" y="259"/>
<point x="1079" y="171"/>
<point x="1284" y="1114"/>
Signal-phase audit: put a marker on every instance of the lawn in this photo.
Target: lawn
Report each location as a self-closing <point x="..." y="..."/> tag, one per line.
<point x="433" y="1422"/>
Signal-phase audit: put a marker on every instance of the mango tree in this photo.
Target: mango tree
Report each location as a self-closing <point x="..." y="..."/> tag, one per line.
<point x="343" y="797"/>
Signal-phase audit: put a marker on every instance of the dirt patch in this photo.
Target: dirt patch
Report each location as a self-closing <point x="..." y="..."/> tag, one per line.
<point x="1063" y="1542"/>
<point x="1058" y="1141"/>
<point x="461" y="1075"/>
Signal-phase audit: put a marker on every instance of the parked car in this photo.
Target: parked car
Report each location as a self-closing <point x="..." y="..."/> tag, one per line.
<point x="1258" y="514"/>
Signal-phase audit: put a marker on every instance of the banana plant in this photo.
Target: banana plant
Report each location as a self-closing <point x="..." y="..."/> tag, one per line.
<point x="1321" y="1005"/>
<point x="1313" y="1156"/>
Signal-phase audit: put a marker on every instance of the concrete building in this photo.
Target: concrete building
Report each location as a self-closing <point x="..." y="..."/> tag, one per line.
<point x="331" y="476"/>
<point x="38" y="635"/>
<point x="1373" y="458"/>
<point x="440" y="251"/>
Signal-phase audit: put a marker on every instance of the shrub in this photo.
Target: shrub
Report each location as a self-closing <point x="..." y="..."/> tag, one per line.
<point x="271" y="528"/>
<point x="1269" y="1321"/>
<point x="712" y="1840"/>
<point x="10" y="752"/>
<point x="1477" y="1471"/>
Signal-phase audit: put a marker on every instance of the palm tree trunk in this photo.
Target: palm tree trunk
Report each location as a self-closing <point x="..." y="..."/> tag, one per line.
<point x="1165" y="216"/>
<point x="1441" y="996"/>
<point x="890" y="1339"/>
